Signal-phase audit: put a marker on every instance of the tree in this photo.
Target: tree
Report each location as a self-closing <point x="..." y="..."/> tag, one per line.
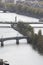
<point x="26" y="30"/>
<point x="35" y="40"/>
<point x="40" y="42"/>
<point x="39" y="33"/>
<point x="20" y="27"/>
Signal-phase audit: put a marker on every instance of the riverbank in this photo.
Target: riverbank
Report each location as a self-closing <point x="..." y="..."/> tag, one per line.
<point x="30" y="11"/>
<point x="4" y="17"/>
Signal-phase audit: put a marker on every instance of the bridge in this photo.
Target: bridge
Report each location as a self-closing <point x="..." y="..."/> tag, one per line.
<point x="14" y="38"/>
<point x="6" y="22"/>
<point x="13" y="25"/>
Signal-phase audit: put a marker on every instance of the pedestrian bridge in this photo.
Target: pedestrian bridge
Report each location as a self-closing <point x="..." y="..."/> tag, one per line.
<point x="14" y="38"/>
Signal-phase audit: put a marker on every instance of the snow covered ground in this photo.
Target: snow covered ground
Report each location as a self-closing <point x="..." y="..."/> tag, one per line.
<point x="11" y="17"/>
<point x="22" y="54"/>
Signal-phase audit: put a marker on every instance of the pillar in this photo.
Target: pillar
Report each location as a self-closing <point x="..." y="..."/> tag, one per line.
<point x="28" y="40"/>
<point x="2" y="44"/>
<point x="17" y="41"/>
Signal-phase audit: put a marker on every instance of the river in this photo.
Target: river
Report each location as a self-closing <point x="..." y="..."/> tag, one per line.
<point x="22" y="54"/>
